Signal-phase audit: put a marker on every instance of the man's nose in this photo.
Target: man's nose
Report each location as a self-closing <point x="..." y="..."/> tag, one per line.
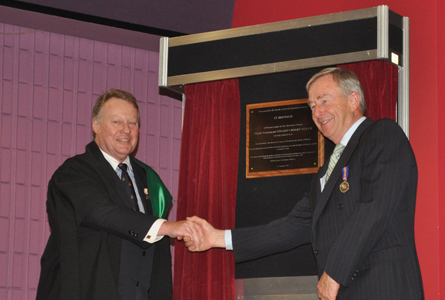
<point x="125" y="127"/>
<point x="317" y="111"/>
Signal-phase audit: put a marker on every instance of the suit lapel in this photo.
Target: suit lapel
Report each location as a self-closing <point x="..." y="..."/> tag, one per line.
<point x="316" y="186"/>
<point x="104" y="169"/>
<point x="323" y="197"/>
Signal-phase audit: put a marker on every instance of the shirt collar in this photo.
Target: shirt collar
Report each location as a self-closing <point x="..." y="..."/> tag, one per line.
<point x="345" y="139"/>
<point x="114" y="162"/>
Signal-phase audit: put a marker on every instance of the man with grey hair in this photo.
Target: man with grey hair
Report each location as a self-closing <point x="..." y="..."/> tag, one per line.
<point x="359" y="215"/>
<point x="107" y="212"/>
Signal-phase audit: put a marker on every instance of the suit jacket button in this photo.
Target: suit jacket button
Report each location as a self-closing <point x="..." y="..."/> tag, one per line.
<point x="315" y="251"/>
<point x="340" y="206"/>
<point x="143" y="253"/>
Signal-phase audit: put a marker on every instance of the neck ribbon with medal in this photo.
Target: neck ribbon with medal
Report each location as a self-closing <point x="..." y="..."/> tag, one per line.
<point x="344" y="186"/>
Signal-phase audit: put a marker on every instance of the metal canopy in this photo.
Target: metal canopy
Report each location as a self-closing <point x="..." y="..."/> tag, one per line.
<point x="347" y="37"/>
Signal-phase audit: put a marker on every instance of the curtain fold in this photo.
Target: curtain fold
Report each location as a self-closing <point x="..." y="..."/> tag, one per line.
<point x="207" y="186"/>
<point x="379" y="80"/>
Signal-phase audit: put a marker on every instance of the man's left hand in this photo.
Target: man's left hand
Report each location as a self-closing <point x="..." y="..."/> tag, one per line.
<point x="327" y="288"/>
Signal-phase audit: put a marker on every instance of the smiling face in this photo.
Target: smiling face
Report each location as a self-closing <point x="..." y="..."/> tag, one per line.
<point x="117" y="128"/>
<point x="332" y="111"/>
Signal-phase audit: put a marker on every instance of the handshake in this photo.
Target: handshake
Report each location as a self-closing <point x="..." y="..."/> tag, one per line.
<point x="197" y="233"/>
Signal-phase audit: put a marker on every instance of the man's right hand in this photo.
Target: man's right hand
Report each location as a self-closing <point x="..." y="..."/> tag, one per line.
<point x="182" y="229"/>
<point x="213" y="238"/>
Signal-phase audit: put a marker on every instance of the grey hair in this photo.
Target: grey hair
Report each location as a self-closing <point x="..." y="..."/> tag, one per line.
<point x="346" y="80"/>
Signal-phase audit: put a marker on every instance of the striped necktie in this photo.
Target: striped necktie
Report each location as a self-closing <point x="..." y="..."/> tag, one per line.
<point x="334" y="159"/>
<point x="129" y="186"/>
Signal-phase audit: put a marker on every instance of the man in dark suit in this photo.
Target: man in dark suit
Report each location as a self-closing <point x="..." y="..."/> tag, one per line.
<point x="359" y="215"/>
<point x="106" y="211"/>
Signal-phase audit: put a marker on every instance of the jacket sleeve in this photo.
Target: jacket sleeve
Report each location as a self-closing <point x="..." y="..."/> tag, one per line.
<point x="77" y="193"/>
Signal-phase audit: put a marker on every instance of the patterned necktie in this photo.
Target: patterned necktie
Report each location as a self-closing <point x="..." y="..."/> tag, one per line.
<point x="129" y="186"/>
<point x="334" y="159"/>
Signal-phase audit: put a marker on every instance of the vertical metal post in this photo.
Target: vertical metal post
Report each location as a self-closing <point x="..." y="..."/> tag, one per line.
<point x="403" y="100"/>
<point x="163" y="61"/>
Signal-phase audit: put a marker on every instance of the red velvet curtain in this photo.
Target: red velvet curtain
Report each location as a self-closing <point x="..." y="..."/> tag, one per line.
<point x="207" y="186"/>
<point x="379" y="80"/>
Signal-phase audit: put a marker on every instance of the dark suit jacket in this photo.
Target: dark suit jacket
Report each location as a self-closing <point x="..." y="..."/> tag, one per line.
<point x="89" y="222"/>
<point x="363" y="238"/>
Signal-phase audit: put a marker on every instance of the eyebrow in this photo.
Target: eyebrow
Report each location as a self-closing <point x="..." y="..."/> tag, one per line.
<point x="318" y="98"/>
<point x="322" y="96"/>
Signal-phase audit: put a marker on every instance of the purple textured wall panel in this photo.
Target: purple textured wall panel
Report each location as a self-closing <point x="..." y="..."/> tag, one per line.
<point x="6" y="106"/>
<point x="21" y="200"/>
<point x="49" y="83"/>
<point x="5" y="192"/>
<point x="4" y="239"/>
<point x="6" y="131"/>
<point x="5" y="167"/>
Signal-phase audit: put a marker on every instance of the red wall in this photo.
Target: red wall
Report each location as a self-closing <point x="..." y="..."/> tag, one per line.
<point x="440" y="61"/>
<point x="427" y="73"/>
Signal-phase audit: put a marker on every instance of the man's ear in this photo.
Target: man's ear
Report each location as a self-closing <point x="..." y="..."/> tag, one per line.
<point x="354" y="99"/>
<point x="95" y="125"/>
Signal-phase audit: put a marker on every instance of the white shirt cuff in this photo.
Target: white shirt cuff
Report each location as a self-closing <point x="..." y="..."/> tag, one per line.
<point x="228" y="239"/>
<point x="152" y="235"/>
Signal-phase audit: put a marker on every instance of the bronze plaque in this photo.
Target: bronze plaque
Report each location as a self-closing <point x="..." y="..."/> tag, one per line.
<point x="282" y="139"/>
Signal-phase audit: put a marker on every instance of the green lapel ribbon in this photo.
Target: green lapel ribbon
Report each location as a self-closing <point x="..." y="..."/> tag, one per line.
<point x="159" y="195"/>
